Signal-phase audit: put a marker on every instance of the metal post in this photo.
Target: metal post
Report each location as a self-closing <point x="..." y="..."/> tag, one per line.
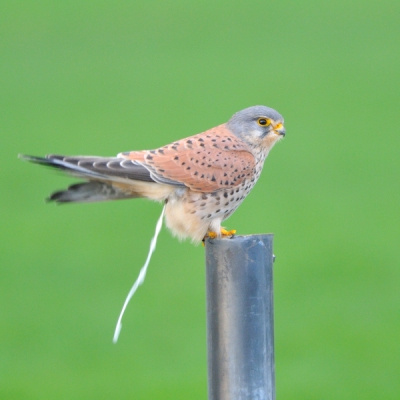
<point x="240" y="326"/>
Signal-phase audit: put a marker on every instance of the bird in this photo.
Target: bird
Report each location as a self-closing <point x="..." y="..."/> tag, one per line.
<point x="201" y="179"/>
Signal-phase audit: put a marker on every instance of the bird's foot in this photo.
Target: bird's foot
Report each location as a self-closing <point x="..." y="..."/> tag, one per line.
<point x="211" y="235"/>
<point x="223" y="233"/>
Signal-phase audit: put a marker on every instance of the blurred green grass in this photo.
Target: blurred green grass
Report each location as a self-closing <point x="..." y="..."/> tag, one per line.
<point x="100" y="78"/>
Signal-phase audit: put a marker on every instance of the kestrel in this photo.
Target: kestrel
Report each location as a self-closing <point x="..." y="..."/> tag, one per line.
<point x="201" y="179"/>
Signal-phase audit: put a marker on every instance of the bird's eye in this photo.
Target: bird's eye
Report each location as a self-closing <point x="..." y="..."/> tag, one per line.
<point x="263" y="121"/>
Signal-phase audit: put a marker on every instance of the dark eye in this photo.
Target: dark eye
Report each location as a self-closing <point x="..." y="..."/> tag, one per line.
<point x="263" y="121"/>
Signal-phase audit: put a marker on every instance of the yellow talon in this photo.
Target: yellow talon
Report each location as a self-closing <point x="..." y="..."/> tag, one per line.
<point x="224" y="232"/>
<point x="212" y="235"/>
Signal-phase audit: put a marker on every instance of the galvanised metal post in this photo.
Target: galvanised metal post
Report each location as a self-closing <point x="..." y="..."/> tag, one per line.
<point x="240" y="323"/>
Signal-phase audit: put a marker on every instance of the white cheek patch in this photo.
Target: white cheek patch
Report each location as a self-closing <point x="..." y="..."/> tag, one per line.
<point x="253" y="137"/>
<point x="257" y="133"/>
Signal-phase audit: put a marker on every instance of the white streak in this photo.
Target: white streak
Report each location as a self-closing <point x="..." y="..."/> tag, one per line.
<point x="140" y="278"/>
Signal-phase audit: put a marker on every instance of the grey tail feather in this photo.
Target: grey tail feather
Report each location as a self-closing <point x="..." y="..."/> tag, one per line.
<point x="40" y="160"/>
<point x="57" y="162"/>
<point x="83" y="192"/>
<point x="86" y="192"/>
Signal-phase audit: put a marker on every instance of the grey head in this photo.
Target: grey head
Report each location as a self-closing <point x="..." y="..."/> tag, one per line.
<point x="257" y="125"/>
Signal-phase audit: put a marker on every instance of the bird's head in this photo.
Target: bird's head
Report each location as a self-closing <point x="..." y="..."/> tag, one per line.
<point x="259" y="126"/>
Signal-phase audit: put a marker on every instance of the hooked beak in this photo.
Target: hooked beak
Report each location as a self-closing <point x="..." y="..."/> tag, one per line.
<point x="279" y="129"/>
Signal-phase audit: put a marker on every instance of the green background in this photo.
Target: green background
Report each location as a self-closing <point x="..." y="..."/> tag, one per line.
<point x="103" y="77"/>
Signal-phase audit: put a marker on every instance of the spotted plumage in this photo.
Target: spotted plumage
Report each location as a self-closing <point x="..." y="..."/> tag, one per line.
<point x="202" y="178"/>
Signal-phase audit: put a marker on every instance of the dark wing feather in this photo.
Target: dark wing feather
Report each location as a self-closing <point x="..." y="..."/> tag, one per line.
<point x="100" y="168"/>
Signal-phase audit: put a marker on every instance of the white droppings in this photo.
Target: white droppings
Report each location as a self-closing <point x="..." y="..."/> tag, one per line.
<point x="141" y="277"/>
